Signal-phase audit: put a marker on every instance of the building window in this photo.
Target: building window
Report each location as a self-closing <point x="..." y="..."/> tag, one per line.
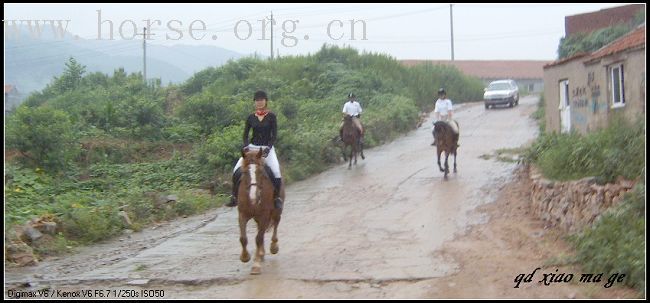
<point x="618" y="91"/>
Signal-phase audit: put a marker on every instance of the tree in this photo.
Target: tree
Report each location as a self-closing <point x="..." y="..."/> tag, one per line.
<point x="44" y="136"/>
<point x="71" y="77"/>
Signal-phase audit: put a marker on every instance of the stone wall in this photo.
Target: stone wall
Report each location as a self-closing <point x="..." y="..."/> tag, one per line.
<point x="572" y="205"/>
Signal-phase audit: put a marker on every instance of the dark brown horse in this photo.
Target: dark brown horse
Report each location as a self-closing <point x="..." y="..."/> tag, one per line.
<point x="447" y="141"/>
<point x="255" y="199"/>
<point x="350" y="137"/>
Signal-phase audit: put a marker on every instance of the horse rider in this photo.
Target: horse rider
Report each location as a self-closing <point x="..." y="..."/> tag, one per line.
<point x="265" y="130"/>
<point x="352" y="108"/>
<point x="443" y="109"/>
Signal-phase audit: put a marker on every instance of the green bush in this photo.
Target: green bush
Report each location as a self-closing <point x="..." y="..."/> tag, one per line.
<point x="616" y="242"/>
<point x="208" y="111"/>
<point x="90" y="224"/>
<point x="182" y="133"/>
<point x="617" y="150"/>
<point x="223" y="148"/>
<point x="595" y="40"/>
<point x="45" y="137"/>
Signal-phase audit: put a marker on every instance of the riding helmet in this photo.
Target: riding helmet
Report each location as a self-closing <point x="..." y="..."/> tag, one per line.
<point x="260" y="94"/>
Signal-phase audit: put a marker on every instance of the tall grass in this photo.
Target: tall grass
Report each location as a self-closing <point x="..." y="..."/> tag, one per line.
<point x="616" y="242"/>
<point x="618" y="150"/>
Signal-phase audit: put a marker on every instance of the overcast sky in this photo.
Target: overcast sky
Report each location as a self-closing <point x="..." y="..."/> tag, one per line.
<point x="404" y="31"/>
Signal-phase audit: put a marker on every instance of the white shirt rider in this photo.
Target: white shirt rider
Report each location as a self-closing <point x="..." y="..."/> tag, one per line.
<point x="352" y="108"/>
<point x="443" y="109"/>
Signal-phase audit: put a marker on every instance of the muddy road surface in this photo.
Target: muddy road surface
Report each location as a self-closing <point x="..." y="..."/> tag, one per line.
<point x="374" y="231"/>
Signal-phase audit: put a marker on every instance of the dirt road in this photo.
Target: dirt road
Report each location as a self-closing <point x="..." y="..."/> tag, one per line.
<point x="375" y="231"/>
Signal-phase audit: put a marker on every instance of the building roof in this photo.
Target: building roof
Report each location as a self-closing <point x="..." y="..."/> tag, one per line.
<point x="9" y="88"/>
<point x="492" y="69"/>
<point x="632" y="40"/>
<point x="567" y="59"/>
<point x="589" y="22"/>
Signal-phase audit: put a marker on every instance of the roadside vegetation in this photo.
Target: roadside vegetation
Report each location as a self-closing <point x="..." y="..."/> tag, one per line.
<point x="615" y="243"/>
<point x="97" y="154"/>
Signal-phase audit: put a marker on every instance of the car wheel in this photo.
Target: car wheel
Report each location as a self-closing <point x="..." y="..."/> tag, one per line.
<point x="511" y="104"/>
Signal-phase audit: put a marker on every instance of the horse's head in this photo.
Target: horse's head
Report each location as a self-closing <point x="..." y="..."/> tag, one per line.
<point x="252" y="156"/>
<point x="347" y="119"/>
<point x="439" y="128"/>
<point x="445" y="135"/>
<point x="253" y="172"/>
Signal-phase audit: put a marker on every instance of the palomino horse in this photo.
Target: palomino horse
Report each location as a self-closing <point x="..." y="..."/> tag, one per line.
<point x="447" y="141"/>
<point x="350" y="137"/>
<point x="255" y="199"/>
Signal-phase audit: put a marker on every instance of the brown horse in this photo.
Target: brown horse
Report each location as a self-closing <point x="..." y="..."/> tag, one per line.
<point x="447" y="141"/>
<point x="256" y="201"/>
<point x="350" y="137"/>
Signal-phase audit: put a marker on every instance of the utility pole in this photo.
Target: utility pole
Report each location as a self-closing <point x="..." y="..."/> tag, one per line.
<point x="271" y="35"/>
<point x="451" y="20"/>
<point x="144" y="57"/>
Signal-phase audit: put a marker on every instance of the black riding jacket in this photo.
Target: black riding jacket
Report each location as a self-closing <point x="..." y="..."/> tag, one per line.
<point x="265" y="132"/>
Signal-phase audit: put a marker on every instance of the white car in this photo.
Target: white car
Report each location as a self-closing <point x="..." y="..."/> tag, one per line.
<point x="501" y="92"/>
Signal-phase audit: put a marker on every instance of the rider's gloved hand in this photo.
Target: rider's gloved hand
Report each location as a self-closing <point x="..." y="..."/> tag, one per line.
<point x="266" y="152"/>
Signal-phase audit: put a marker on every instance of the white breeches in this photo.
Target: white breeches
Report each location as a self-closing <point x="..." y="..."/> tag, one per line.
<point x="271" y="160"/>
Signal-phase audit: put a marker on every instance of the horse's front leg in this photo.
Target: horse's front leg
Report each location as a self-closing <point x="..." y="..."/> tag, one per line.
<point x="361" y="147"/>
<point x="439" y="152"/>
<point x="274" y="240"/>
<point x="259" y="241"/>
<point x="455" y="162"/>
<point x="245" y="257"/>
<point x="446" y="164"/>
<point x="351" y="152"/>
<point x="356" y="151"/>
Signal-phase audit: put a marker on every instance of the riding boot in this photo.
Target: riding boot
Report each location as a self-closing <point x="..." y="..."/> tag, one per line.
<point x="236" y="177"/>
<point x="434" y="142"/>
<point x="277" y="184"/>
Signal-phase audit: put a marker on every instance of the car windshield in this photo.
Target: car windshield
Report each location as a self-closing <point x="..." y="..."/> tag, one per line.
<point x="499" y="86"/>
